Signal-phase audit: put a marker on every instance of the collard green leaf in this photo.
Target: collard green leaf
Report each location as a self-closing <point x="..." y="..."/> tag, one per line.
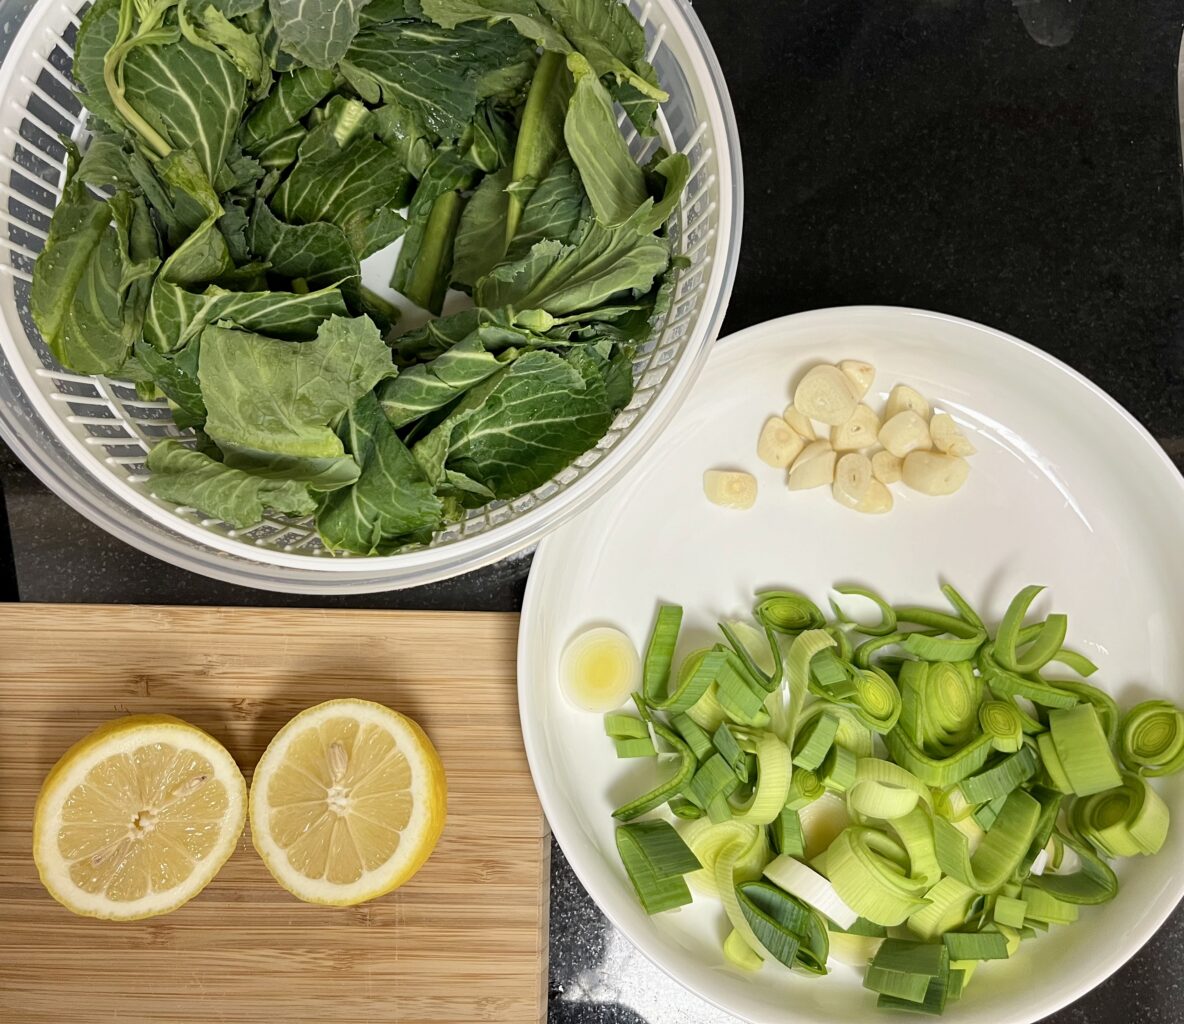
<point x="175" y="375"/>
<point x="177" y="316"/>
<point x="319" y="254"/>
<point x="439" y="74"/>
<point x="316" y="34"/>
<point x="400" y="128"/>
<point x="280" y="150"/>
<point x="611" y="39"/>
<point x="188" y="477"/>
<point x="672" y="171"/>
<point x="236" y="8"/>
<point x="90" y="282"/>
<point x="106" y="162"/>
<point x="281" y="396"/>
<point x="96" y="34"/>
<point x="615" y="184"/>
<point x="320" y="473"/>
<point x="518" y="429"/>
<point x="191" y="96"/>
<point x="439" y="335"/>
<point x="489" y="142"/>
<point x="203" y="255"/>
<point x="603" y="265"/>
<point x="206" y="26"/>
<point x="524" y="15"/>
<point x="424" y="388"/>
<point x="345" y="176"/>
<point x="425" y="257"/>
<point x="554" y="210"/>
<point x="294" y="94"/>
<point x="391" y="504"/>
<point x="481" y="235"/>
<point x="540" y="135"/>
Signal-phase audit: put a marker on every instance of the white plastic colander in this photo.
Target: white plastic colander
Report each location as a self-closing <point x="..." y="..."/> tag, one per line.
<point x="87" y="437"/>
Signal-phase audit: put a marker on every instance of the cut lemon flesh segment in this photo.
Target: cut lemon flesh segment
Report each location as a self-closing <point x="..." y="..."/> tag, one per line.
<point x="136" y="819"/>
<point x="347" y="802"/>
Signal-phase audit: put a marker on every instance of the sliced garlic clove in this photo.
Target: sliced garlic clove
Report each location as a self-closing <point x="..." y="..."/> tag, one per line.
<point x="934" y="472"/>
<point x="779" y="443"/>
<point x="825" y="395"/>
<point x="814" y="472"/>
<point x="813" y="450"/>
<point x="730" y="488"/>
<point x="947" y="437"/>
<point x="877" y="500"/>
<point x="859" y="374"/>
<point x="800" y="423"/>
<point x="853" y="477"/>
<point x="858" y="431"/>
<point x="886" y="467"/>
<point x="903" y="397"/>
<point x="905" y="432"/>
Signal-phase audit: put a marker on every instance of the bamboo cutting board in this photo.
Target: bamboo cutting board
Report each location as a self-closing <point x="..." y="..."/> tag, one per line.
<point x="465" y="940"/>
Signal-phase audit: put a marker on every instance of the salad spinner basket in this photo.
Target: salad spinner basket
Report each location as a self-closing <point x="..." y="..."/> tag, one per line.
<point x="87" y="437"/>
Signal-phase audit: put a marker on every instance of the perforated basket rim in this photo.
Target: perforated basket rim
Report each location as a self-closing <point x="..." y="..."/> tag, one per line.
<point x="189" y="544"/>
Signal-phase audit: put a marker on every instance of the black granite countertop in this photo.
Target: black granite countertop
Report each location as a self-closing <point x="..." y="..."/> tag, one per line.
<point x="1015" y="162"/>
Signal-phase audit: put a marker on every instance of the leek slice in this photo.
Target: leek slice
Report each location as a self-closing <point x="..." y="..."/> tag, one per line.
<point x="1085" y="756"/>
<point x="1103" y="704"/>
<point x="1001" y="851"/>
<point x="852" y="733"/>
<point x="938" y="771"/>
<point x="765" y="680"/>
<point x="709" y="841"/>
<point x="713" y="778"/>
<point x="786" y="612"/>
<point x="797" y="674"/>
<point x="1153" y="738"/>
<point x="950" y="905"/>
<point x="1093" y="882"/>
<point x="655" y="859"/>
<point x="838" y="770"/>
<point x="955" y="640"/>
<point x="814" y="740"/>
<point x="1010" y="911"/>
<point x="884" y="790"/>
<point x="1003" y="681"/>
<point x="740" y="954"/>
<point x="786" y="834"/>
<point x="866" y="651"/>
<point x="962" y="606"/>
<point x="804" y="788"/>
<point x="887" y="623"/>
<point x="939" y="704"/>
<point x="976" y="945"/>
<point x="1044" y="645"/>
<point x="724" y="740"/>
<point x="671" y="787"/>
<point x="1041" y="906"/>
<point x="1129" y="821"/>
<point x="1000" y="779"/>
<point x="772" y="778"/>
<point x="811" y="888"/>
<point x="868" y="870"/>
<point x="695" y="736"/>
<point x="910" y="976"/>
<point x="785" y="927"/>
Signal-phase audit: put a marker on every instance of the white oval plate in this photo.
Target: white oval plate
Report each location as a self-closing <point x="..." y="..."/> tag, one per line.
<point x="1066" y="490"/>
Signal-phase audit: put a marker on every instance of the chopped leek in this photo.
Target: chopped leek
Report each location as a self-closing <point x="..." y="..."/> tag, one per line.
<point x="655" y="859"/>
<point x="953" y="834"/>
<point x="1129" y="821"/>
<point x="1153" y="738"/>
<point x="788" y="929"/>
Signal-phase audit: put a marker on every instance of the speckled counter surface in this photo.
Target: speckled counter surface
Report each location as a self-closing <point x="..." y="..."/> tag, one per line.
<point x="1015" y="163"/>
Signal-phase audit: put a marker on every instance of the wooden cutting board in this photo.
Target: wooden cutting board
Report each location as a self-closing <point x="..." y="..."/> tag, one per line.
<point x="465" y="940"/>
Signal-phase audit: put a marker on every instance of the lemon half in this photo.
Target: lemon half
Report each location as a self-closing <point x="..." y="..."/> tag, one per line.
<point x="136" y="819"/>
<point x="347" y="802"/>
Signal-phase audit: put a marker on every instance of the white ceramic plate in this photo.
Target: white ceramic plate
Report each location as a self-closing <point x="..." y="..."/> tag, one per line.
<point x="1067" y="490"/>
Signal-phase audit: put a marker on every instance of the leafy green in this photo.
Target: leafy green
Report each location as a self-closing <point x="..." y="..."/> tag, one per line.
<point x="318" y="34"/>
<point x="319" y="253"/>
<point x="605" y="263"/>
<point x="345" y="176"/>
<point x="520" y="427"/>
<point x="191" y="96"/>
<point x="481" y="235"/>
<point x="281" y="396"/>
<point x="188" y="477"/>
<point x="391" y="504"/>
<point x="439" y="74"/>
<point x="247" y="156"/>
<point x="90" y="282"/>
<point x="292" y="96"/>
<point x="615" y="184"/>
<point x="430" y="386"/>
<point x="177" y="316"/>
